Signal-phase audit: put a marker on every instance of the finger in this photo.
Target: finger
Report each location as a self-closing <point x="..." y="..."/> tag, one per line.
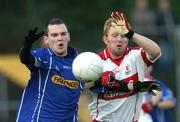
<point x="118" y="14"/>
<point x="153" y="93"/>
<point x="30" y="32"/>
<point x="156" y="86"/>
<point x="35" y="29"/>
<point x="40" y="34"/>
<point x="112" y="77"/>
<point x="114" y="15"/>
<point x="123" y="16"/>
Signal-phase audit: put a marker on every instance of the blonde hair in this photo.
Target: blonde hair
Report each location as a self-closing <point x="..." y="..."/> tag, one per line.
<point x="107" y="25"/>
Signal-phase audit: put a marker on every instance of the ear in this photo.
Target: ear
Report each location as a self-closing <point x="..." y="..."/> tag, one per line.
<point x="45" y="39"/>
<point x="105" y="39"/>
<point x="69" y="37"/>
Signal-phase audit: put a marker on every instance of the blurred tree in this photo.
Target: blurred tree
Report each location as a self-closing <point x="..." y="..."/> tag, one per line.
<point x="85" y="19"/>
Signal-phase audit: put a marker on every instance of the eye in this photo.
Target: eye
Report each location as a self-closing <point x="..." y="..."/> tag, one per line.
<point x="64" y="33"/>
<point x="54" y="34"/>
<point x="123" y="36"/>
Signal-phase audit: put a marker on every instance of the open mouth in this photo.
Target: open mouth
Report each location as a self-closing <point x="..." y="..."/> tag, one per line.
<point x="60" y="45"/>
<point x="119" y="46"/>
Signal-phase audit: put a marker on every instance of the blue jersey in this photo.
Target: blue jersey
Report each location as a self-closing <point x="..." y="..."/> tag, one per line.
<point x="53" y="92"/>
<point x="163" y="115"/>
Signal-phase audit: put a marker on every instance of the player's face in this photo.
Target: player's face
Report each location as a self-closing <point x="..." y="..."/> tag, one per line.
<point x="58" y="38"/>
<point x="115" y="42"/>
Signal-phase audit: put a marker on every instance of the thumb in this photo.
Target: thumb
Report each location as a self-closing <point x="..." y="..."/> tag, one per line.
<point x="152" y="93"/>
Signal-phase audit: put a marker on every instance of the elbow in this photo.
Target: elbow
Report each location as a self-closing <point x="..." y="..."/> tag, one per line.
<point x="157" y="52"/>
<point x="22" y="59"/>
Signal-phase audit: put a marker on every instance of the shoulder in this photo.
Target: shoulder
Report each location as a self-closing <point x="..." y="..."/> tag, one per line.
<point x="102" y="55"/>
<point x="41" y="54"/>
<point x="41" y="51"/>
<point x="134" y="48"/>
<point x="73" y="52"/>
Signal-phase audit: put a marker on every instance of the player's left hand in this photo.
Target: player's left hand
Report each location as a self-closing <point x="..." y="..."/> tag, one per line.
<point x="121" y="24"/>
<point x="147" y="86"/>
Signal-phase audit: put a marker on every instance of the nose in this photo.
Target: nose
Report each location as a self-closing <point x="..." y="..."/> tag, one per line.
<point x="121" y="38"/>
<point x="59" y="37"/>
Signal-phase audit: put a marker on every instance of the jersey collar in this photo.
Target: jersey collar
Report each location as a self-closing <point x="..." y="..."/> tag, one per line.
<point x="116" y="61"/>
<point x="71" y="52"/>
<point x="107" y="54"/>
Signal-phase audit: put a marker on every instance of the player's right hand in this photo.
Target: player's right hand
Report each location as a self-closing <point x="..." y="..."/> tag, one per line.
<point x="147" y="86"/>
<point x="107" y="79"/>
<point x="33" y="35"/>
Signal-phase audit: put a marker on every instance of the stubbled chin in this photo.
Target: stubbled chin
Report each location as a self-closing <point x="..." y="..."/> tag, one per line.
<point x="60" y="53"/>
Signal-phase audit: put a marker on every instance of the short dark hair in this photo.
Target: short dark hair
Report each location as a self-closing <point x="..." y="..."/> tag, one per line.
<point x="54" y="21"/>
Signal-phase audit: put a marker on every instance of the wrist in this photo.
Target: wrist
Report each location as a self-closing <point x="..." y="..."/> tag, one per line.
<point x="136" y="86"/>
<point x="130" y="34"/>
<point x="27" y="43"/>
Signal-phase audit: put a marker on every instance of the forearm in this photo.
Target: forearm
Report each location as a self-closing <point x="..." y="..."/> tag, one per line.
<point x="89" y="85"/>
<point x="148" y="45"/>
<point x="165" y="104"/>
<point x="123" y="87"/>
<point x="156" y="99"/>
<point x="117" y="86"/>
<point x="25" y="54"/>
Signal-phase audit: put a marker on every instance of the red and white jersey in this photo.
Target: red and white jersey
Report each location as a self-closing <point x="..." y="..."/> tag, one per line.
<point x="119" y="106"/>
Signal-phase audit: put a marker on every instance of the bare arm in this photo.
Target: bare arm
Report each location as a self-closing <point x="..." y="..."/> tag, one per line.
<point x="89" y="85"/>
<point x="168" y="104"/>
<point x="152" y="49"/>
<point x="155" y="99"/>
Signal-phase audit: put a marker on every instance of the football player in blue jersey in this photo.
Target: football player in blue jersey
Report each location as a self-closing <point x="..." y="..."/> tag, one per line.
<point x="160" y="107"/>
<point x="52" y="93"/>
<point x="163" y="110"/>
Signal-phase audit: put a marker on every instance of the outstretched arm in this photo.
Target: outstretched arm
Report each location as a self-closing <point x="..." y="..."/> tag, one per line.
<point x="107" y="79"/>
<point x="25" y="53"/>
